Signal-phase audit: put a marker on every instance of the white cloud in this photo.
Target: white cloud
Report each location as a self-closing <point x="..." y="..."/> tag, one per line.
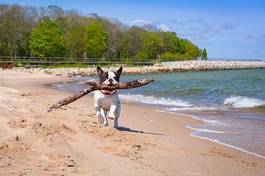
<point x="140" y="22"/>
<point x="199" y="29"/>
<point x="163" y="27"/>
<point x="258" y="38"/>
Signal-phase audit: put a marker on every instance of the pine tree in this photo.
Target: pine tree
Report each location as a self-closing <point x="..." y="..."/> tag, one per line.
<point x="204" y="54"/>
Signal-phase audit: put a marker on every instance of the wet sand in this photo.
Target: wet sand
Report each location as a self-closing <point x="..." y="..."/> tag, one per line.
<point x="69" y="141"/>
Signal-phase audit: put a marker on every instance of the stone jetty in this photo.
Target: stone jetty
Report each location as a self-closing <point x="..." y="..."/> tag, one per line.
<point x="161" y="67"/>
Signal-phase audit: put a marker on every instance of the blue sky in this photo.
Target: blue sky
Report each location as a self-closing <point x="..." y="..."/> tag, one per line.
<point x="227" y="28"/>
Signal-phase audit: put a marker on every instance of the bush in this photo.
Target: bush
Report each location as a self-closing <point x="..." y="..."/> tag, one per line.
<point x="142" y="56"/>
<point x="167" y="56"/>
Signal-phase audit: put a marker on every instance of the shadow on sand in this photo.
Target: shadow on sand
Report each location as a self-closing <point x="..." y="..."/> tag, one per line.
<point x="136" y="131"/>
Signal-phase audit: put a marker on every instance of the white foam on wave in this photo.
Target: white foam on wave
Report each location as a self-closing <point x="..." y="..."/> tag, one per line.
<point x="204" y="130"/>
<point x="214" y="122"/>
<point x="211" y="122"/>
<point x="59" y="85"/>
<point x="155" y="101"/>
<point x="87" y="79"/>
<point x="244" y="102"/>
<point x="81" y="82"/>
<point x="229" y="145"/>
<point x="191" y="108"/>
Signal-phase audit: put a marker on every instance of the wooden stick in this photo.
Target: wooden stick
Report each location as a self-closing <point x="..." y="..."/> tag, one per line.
<point x="97" y="86"/>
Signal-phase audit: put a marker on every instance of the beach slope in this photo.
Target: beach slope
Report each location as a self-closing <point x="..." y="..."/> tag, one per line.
<point x="69" y="141"/>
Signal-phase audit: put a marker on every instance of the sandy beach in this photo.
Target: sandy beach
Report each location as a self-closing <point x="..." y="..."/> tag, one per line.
<point x="69" y="141"/>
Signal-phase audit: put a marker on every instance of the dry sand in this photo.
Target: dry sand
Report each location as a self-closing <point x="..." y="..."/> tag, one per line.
<point x="70" y="142"/>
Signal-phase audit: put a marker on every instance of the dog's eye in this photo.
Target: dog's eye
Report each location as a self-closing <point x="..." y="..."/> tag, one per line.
<point x="116" y="78"/>
<point x="103" y="76"/>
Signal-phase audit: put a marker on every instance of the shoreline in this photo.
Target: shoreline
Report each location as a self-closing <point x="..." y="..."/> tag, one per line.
<point x="147" y="135"/>
<point x="230" y="146"/>
<point x="200" y="131"/>
<point x="196" y="118"/>
<point x="164" y="67"/>
<point x="207" y="138"/>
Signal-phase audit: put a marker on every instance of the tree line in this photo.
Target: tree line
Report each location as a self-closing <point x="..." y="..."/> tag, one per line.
<point x="54" y="32"/>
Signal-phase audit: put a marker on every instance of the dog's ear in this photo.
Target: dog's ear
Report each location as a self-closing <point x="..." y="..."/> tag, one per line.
<point x="99" y="71"/>
<point x="119" y="72"/>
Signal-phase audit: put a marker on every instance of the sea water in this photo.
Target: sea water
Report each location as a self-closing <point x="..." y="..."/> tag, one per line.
<point x="231" y="103"/>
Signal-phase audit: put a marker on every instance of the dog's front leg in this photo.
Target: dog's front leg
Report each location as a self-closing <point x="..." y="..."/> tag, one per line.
<point x="104" y="115"/>
<point x="101" y="115"/>
<point x="114" y="113"/>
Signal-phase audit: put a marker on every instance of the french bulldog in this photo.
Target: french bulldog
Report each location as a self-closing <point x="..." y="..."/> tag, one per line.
<point x="107" y="103"/>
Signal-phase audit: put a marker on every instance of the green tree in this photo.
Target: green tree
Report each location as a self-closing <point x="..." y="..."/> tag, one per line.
<point x="15" y="27"/>
<point x="52" y="31"/>
<point x="96" y="39"/>
<point x="167" y="56"/>
<point x="172" y="43"/>
<point x="47" y="40"/>
<point x="75" y="43"/>
<point x="114" y="29"/>
<point x="204" y="54"/>
<point x="191" y="50"/>
<point x="73" y="27"/>
<point x="153" y="44"/>
<point x="131" y="42"/>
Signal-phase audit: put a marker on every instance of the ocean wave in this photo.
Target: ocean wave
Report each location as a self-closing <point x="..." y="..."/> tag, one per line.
<point x="243" y="102"/>
<point x="58" y="85"/>
<point x="154" y="100"/>
<point x="205" y="130"/>
<point x="81" y="82"/>
<point x="211" y="122"/>
<point x="191" y="108"/>
<point x="87" y="79"/>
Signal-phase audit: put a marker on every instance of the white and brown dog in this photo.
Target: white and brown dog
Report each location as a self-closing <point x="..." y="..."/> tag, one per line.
<point x="107" y="103"/>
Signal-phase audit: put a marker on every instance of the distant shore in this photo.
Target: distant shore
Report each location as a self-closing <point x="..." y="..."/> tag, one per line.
<point x="161" y="67"/>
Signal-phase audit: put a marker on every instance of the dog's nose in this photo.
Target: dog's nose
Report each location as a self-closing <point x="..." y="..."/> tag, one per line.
<point x="111" y="81"/>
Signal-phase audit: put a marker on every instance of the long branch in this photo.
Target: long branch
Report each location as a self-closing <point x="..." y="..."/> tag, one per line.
<point x="97" y="86"/>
